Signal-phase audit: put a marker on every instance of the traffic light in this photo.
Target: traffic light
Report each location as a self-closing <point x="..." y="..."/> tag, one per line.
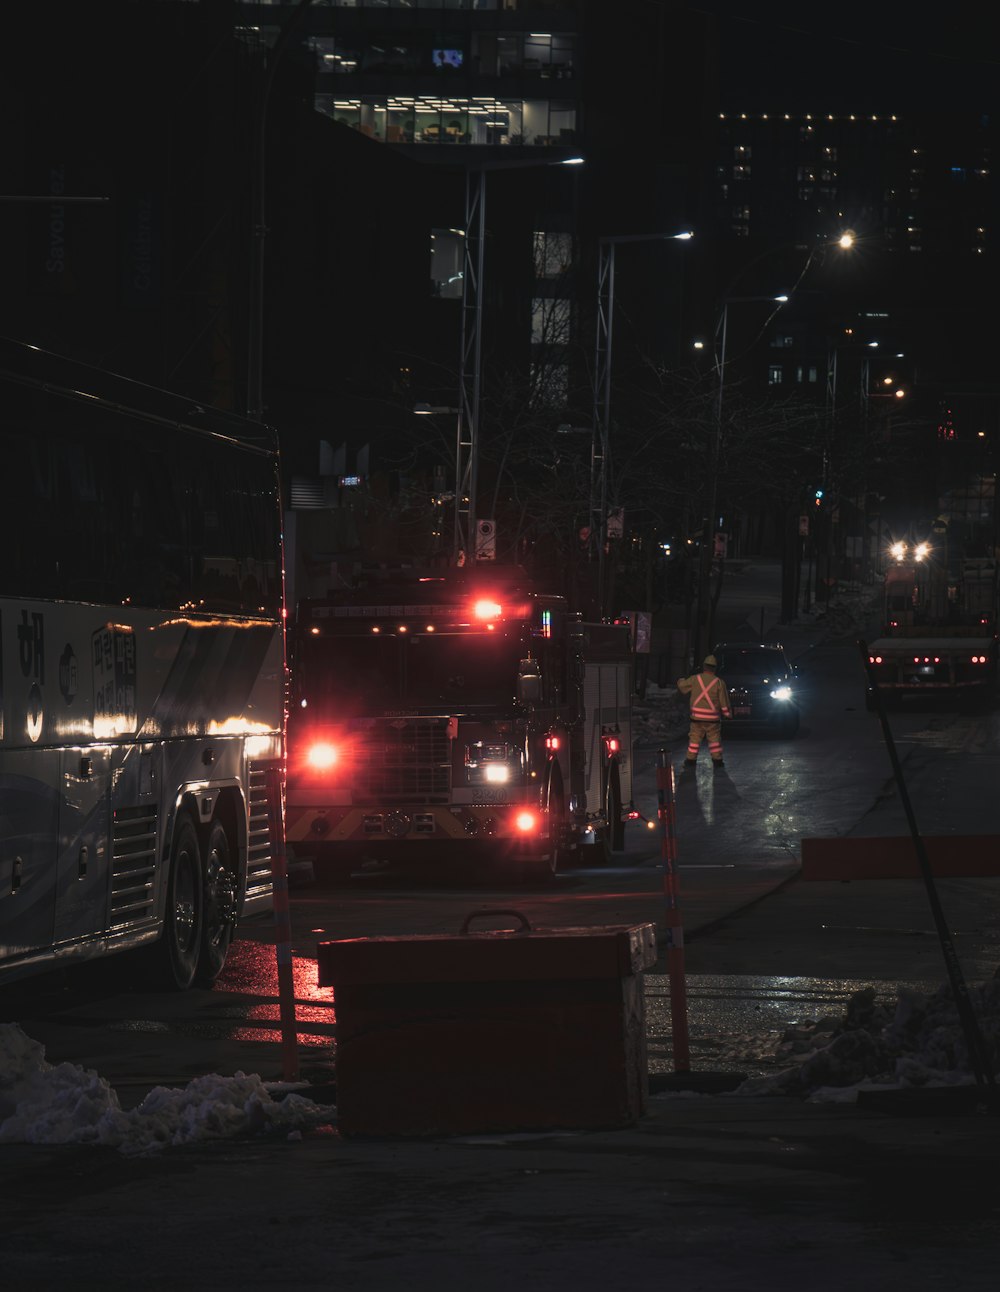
<point x="818" y="497"/>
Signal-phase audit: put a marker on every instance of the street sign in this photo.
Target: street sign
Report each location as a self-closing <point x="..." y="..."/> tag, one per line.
<point x="486" y="540"/>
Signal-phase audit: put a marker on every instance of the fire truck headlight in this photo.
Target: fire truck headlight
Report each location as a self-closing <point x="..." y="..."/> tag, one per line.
<point x="526" y="822"/>
<point x="322" y="756"/>
<point x="897" y="551"/>
<point x="782" y="693"/>
<point x="497" y="773"/>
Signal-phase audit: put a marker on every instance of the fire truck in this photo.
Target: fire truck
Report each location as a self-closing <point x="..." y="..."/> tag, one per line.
<point x="459" y="715"/>
<point x="939" y="631"/>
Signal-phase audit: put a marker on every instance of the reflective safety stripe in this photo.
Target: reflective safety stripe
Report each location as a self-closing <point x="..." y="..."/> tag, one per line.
<point x="704" y="707"/>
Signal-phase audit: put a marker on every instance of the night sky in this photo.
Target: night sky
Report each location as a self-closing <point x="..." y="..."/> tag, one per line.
<point x="853" y="57"/>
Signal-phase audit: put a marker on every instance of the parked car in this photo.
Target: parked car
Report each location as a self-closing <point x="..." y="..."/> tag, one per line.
<point x="761" y="683"/>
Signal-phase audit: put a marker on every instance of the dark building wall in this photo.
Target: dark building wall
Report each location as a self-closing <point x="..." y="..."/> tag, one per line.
<point x="145" y="106"/>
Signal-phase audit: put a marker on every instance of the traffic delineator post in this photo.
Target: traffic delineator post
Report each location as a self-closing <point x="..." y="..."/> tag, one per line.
<point x="282" y="927"/>
<point x="666" y="810"/>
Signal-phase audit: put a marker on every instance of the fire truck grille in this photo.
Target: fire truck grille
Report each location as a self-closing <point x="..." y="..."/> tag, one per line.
<point x="404" y="761"/>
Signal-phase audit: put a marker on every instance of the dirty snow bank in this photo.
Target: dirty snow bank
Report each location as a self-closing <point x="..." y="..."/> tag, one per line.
<point x="42" y="1103"/>
<point x="918" y="1042"/>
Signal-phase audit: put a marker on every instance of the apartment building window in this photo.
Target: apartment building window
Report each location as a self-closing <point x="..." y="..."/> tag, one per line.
<point x="549" y="384"/>
<point x="775" y="373"/>
<point x="553" y="253"/>
<point x="447" y="263"/>
<point x="550" y="320"/>
<point x="782" y="340"/>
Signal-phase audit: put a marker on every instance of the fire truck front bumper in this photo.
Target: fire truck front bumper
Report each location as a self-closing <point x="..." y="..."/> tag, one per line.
<point x="441" y="824"/>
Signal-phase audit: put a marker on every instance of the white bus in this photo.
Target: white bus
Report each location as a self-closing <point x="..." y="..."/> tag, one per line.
<point x="141" y="671"/>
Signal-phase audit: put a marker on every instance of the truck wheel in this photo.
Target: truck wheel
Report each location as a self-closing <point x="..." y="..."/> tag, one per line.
<point x="555" y="804"/>
<point x="616" y="826"/>
<point x="219" y="919"/>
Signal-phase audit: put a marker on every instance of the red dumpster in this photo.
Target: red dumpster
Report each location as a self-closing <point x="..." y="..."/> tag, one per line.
<point x="490" y="1030"/>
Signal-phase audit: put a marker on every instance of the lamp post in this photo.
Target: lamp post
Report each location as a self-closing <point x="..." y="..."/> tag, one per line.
<point x="702" y="620"/>
<point x="600" y="440"/>
<point x="844" y="242"/>
<point x="470" y="354"/>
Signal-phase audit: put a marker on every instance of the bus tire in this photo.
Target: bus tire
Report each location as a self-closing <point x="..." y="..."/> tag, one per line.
<point x="218" y="906"/>
<point x="174" y="956"/>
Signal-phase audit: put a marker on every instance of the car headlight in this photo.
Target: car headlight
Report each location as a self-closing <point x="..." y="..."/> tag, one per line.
<point x="781" y="693"/>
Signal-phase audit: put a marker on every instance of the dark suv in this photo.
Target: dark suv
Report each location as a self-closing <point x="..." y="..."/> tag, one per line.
<point x="761" y="684"/>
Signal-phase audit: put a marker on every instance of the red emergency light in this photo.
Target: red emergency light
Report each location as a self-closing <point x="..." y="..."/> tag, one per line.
<point x="552" y="742"/>
<point x="487" y="609"/>
<point x="322" y="755"/>
<point x="526" y="822"/>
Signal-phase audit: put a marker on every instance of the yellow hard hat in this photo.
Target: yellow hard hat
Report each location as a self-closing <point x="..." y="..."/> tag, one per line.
<point x="710" y="662"/>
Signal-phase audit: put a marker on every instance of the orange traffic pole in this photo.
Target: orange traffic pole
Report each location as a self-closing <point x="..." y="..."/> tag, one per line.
<point x="666" y="800"/>
<point x="282" y="927"/>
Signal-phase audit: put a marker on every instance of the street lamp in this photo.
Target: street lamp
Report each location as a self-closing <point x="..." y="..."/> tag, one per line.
<point x="470" y="354"/>
<point x="708" y="528"/>
<point x="602" y="390"/>
<point x="844" y="242"/>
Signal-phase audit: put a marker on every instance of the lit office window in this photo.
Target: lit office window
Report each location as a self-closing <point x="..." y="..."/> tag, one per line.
<point x="775" y="374"/>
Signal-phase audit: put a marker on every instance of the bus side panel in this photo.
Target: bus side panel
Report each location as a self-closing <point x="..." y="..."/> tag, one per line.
<point x="82" y="868"/>
<point x="29" y="812"/>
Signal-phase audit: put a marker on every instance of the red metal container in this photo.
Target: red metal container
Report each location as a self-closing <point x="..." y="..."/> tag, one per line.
<point x="487" y="1031"/>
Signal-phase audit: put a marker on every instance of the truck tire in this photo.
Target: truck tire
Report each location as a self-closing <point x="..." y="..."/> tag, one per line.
<point x="555" y="806"/>
<point x="616" y="826"/>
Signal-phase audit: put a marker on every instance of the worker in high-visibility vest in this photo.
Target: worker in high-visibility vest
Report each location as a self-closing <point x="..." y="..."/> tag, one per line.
<point x="709" y="705"/>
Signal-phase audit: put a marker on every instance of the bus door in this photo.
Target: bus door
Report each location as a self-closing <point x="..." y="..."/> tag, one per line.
<point x="82" y="870"/>
<point x="29" y="810"/>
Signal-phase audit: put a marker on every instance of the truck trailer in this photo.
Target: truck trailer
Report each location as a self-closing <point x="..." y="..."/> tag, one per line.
<point x="462" y="716"/>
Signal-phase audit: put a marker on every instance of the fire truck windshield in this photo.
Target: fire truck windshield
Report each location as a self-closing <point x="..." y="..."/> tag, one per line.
<point x="375" y="672"/>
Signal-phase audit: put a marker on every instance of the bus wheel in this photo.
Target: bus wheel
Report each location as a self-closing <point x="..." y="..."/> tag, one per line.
<point x="173" y="958"/>
<point x="219" y="918"/>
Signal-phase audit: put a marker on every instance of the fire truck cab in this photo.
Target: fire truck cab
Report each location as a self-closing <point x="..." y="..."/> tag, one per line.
<point x="455" y="715"/>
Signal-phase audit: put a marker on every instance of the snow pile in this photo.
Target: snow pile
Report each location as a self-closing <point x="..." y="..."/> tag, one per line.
<point x="42" y="1103"/>
<point x="919" y="1042"/>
